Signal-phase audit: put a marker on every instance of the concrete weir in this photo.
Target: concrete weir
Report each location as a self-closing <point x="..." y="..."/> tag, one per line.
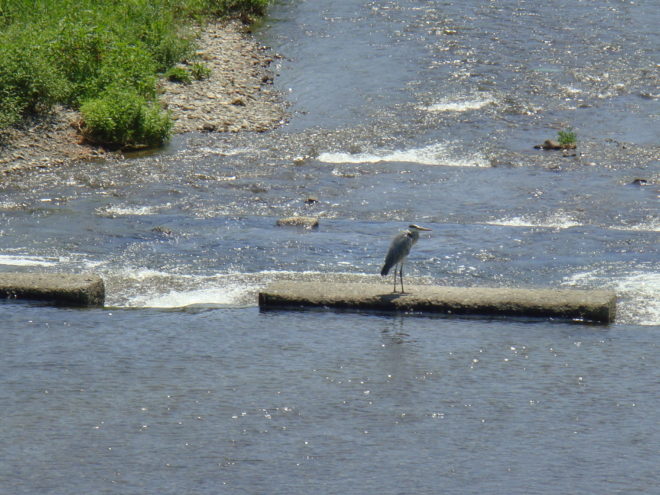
<point x="566" y="304"/>
<point x="61" y="288"/>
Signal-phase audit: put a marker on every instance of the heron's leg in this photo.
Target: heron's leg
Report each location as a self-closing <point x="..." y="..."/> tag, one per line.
<point x="401" y="277"/>
<point x="394" y="279"/>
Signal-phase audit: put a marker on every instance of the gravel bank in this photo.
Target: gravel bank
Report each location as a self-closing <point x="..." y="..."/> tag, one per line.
<point x="238" y="96"/>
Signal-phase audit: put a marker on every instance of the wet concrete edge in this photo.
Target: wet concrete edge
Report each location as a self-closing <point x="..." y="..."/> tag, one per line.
<point x="595" y="306"/>
<point x="60" y="288"/>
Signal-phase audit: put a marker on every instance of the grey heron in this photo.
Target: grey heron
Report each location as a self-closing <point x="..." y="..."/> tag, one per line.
<point x="399" y="249"/>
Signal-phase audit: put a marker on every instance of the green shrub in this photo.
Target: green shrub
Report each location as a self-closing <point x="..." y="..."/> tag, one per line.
<point x="76" y="51"/>
<point x="164" y="40"/>
<point x="130" y="66"/>
<point x="93" y="57"/>
<point x="122" y="117"/>
<point x="10" y="109"/>
<point x="29" y="84"/>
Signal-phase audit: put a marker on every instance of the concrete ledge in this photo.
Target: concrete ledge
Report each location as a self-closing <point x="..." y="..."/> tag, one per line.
<point x="61" y="288"/>
<point x="584" y="305"/>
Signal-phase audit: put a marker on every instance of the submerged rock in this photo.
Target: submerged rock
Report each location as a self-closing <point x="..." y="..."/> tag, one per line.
<point x="300" y="160"/>
<point x="307" y="222"/>
<point x="551" y="144"/>
<point x="162" y="230"/>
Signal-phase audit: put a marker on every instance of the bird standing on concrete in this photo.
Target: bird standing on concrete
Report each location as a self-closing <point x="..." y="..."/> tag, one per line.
<point x="399" y="249"/>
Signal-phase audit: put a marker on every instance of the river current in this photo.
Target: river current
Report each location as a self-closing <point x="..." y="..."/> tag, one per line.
<point x="400" y="112"/>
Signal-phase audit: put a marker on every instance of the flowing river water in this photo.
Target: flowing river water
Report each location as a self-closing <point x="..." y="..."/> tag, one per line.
<point x="401" y="111"/>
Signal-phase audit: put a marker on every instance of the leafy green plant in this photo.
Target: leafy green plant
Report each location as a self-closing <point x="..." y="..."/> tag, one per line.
<point x="122" y="117"/>
<point x="179" y="75"/>
<point x="200" y="71"/>
<point x="243" y="8"/>
<point x="77" y="47"/>
<point x="78" y="52"/>
<point x="128" y="66"/>
<point x="567" y="138"/>
<point x="159" y="31"/>
<point x="28" y="83"/>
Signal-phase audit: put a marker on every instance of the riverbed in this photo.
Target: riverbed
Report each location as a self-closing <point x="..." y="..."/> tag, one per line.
<point x="400" y="112"/>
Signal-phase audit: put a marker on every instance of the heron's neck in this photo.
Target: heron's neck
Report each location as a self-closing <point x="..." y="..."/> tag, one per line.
<point x="414" y="235"/>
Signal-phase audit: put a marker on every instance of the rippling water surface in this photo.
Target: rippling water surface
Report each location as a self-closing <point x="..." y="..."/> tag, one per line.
<point x="401" y="112"/>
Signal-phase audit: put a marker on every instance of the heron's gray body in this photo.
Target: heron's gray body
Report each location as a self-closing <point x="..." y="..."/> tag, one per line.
<point x="399" y="250"/>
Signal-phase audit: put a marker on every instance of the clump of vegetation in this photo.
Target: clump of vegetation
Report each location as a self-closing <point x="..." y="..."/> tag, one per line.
<point x="567" y="138"/>
<point x="182" y="75"/>
<point x="248" y="10"/>
<point x="79" y="52"/>
<point x="179" y="75"/>
<point x="200" y="71"/>
<point x="124" y="117"/>
<point x="29" y="83"/>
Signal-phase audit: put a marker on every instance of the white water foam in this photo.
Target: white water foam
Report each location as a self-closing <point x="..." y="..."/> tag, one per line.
<point x="638" y="293"/>
<point x="572" y="91"/>
<point x="146" y="288"/>
<point x="435" y="154"/>
<point x="558" y="220"/>
<point x="562" y="220"/>
<point x="118" y="211"/>
<point x="10" y="205"/>
<point x="460" y="105"/>
<point x="130" y="210"/>
<point x="205" y="151"/>
<point x="141" y="274"/>
<point x="221" y="296"/>
<point x="18" y="260"/>
<point x="653" y="225"/>
<point x="224" y="151"/>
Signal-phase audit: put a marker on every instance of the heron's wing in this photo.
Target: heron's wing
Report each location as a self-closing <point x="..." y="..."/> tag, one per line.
<point x="399" y="249"/>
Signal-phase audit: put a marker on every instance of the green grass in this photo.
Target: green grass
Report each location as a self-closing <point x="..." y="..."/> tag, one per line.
<point x="197" y="71"/>
<point x="179" y="75"/>
<point x="200" y="71"/>
<point x="567" y="138"/>
<point x="84" y="53"/>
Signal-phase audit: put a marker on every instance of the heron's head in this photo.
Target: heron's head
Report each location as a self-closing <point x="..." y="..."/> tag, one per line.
<point x="417" y="228"/>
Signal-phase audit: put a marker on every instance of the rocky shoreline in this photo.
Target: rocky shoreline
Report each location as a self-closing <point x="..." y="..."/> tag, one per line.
<point x="237" y="96"/>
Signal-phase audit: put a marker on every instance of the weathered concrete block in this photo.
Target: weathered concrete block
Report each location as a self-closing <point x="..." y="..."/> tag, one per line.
<point x="584" y="305"/>
<point x="62" y="288"/>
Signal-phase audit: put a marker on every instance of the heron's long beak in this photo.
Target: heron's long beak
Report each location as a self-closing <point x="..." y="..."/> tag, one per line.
<point x="417" y="227"/>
